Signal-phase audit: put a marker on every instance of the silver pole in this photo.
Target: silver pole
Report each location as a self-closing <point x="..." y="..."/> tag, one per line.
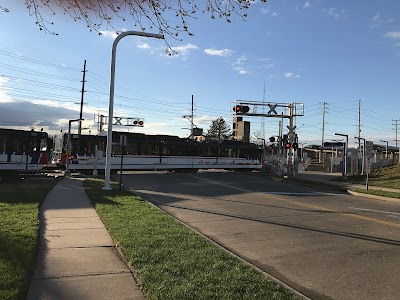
<point x="345" y="161"/>
<point x="345" y="147"/>
<point x="67" y="172"/>
<point x="111" y="103"/>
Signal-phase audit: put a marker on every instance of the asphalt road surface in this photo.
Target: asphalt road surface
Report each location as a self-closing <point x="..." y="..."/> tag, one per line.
<point x="325" y="245"/>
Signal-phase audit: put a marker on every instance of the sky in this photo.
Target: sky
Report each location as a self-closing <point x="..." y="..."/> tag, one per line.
<point x="341" y="53"/>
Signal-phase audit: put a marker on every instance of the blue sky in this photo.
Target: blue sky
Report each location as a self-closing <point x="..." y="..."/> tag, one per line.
<point x="305" y="51"/>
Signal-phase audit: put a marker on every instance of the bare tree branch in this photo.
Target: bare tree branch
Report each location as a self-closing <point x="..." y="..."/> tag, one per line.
<point x="168" y="17"/>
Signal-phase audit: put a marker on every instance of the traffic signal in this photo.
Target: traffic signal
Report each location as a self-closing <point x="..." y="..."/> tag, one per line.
<point x="241" y="109"/>
<point x="138" y="123"/>
<point x="272" y="139"/>
<point x="295" y="146"/>
<point x="288" y="145"/>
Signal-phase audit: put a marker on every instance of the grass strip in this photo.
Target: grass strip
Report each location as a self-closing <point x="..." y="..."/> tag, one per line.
<point x="19" y="213"/>
<point x="387" y="177"/>
<point x="172" y="261"/>
<point x="378" y="193"/>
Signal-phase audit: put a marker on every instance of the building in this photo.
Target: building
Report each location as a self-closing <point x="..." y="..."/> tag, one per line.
<point x="241" y="129"/>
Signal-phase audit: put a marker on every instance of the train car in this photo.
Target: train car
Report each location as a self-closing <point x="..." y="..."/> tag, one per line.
<point x="23" y="150"/>
<point x="161" y="152"/>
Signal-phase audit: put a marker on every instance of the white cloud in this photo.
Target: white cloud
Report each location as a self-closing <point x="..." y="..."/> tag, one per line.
<point x="111" y="34"/>
<point x="144" y="46"/>
<point x="240" y="61"/>
<point x="335" y="13"/>
<point x="238" y="65"/>
<point x="4" y="98"/>
<point x="393" y="35"/>
<point x="307" y="4"/>
<point x="291" y="75"/>
<point x="108" y="34"/>
<point x="217" y="52"/>
<point x="203" y="121"/>
<point x="268" y="11"/>
<point x="3" y="80"/>
<point x="183" y="50"/>
<point x="377" y="17"/>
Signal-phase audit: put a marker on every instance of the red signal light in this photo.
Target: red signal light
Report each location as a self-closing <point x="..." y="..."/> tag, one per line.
<point x="141" y="123"/>
<point x="240" y="109"/>
<point x="288" y="145"/>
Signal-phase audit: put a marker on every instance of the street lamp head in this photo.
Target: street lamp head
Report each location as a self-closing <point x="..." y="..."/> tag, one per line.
<point x="76" y="120"/>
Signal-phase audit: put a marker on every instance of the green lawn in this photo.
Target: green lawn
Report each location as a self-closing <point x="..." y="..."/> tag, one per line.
<point x="19" y="208"/>
<point x="171" y="260"/>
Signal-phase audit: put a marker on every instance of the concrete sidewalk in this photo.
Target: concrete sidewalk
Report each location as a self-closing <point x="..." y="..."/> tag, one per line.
<point x="77" y="258"/>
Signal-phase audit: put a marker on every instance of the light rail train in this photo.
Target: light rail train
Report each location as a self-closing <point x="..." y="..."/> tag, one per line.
<point x="161" y="152"/>
<point x="22" y="150"/>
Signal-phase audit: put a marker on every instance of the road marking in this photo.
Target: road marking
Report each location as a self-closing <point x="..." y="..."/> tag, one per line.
<point x="317" y="207"/>
<point x="303" y="194"/>
<point x="378" y="211"/>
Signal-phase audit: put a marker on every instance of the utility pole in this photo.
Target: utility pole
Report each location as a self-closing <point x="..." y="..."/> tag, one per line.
<point x="359" y="123"/>
<point x="191" y="117"/>
<point x="359" y="133"/>
<point x="396" y="140"/>
<point x="395" y="128"/>
<point x="191" y="120"/>
<point x="82" y="93"/>
<point x="324" y="111"/>
<point x="263" y="119"/>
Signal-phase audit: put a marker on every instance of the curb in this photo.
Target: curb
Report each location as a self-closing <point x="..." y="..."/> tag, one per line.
<point x="373" y="196"/>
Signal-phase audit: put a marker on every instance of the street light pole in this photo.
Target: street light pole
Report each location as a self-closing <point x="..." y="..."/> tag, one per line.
<point x="301" y="152"/>
<point x="363" y="154"/>
<point x="387" y="144"/>
<point x="111" y="104"/>
<point x="345" y="154"/>
<point x="67" y="172"/>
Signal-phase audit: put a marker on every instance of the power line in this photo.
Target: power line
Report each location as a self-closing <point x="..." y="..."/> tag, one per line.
<point x="32" y="60"/>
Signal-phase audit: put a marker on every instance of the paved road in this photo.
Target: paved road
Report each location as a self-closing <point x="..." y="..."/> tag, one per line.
<point x="327" y="246"/>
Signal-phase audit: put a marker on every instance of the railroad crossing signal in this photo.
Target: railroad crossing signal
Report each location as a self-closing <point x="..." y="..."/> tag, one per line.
<point x="272" y="110"/>
<point x="241" y="109"/>
<point x="121" y="121"/>
<point x="291" y="132"/>
<point x="117" y="121"/>
<point x="135" y="122"/>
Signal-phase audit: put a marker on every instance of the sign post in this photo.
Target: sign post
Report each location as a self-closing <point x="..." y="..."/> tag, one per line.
<point x="122" y="142"/>
<point x="369" y="153"/>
